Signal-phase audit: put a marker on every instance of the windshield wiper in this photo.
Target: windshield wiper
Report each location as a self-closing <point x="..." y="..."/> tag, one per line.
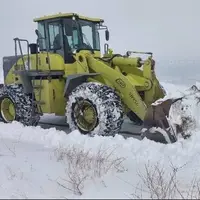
<point x="87" y="42"/>
<point x="86" y="46"/>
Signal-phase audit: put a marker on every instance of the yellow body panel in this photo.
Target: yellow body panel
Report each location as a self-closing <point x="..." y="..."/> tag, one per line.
<point x="56" y="63"/>
<point x="52" y="95"/>
<point x="10" y="78"/>
<point x="55" y="60"/>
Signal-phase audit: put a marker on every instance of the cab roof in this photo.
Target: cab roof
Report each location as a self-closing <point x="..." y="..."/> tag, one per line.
<point x="63" y="15"/>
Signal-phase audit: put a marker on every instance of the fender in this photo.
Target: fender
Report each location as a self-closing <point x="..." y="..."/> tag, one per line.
<point x="28" y="76"/>
<point x="26" y="81"/>
<point x="75" y="80"/>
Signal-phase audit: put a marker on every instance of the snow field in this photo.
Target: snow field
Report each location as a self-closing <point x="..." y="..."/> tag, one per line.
<point x="47" y="163"/>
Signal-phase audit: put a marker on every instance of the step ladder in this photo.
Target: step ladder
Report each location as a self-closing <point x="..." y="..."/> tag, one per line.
<point x="26" y="66"/>
<point x="38" y="103"/>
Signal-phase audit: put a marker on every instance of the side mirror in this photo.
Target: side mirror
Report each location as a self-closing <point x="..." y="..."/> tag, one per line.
<point x="37" y="32"/>
<point x="107" y="34"/>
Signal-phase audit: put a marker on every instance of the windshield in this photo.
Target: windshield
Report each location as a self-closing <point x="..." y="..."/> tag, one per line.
<point x="82" y="34"/>
<point x="69" y="35"/>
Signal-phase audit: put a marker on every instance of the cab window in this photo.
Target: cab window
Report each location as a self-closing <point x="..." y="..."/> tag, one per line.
<point x="41" y="38"/>
<point x="55" y="35"/>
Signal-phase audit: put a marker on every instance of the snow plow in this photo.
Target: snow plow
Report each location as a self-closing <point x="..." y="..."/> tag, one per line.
<point x="65" y="74"/>
<point x="169" y="119"/>
<point x="156" y="125"/>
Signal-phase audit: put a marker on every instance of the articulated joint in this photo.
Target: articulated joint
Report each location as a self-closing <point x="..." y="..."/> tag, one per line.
<point x="148" y="84"/>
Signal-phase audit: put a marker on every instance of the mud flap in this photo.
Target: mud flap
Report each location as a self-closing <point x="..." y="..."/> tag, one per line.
<point x="156" y="126"/>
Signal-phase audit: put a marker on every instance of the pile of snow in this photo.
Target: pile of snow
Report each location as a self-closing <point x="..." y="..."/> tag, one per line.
<point x="39" y="163"/>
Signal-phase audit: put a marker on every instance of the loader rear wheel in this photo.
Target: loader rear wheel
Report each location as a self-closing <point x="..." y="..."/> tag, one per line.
<point x="94" y="109"/>
<point x="15" y="105"/>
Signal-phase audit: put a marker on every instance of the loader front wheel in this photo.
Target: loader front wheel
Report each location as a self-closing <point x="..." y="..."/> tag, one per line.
<point x="15" y="105"/>
<point x="94" y="109"/>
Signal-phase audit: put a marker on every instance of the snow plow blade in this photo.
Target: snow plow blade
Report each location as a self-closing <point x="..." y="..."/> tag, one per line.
<point x="156" y="125"/>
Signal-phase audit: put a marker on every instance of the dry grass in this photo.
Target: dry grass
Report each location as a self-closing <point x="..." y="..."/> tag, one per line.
<point x="157" y="183"/>
<point x="82" y="166"/>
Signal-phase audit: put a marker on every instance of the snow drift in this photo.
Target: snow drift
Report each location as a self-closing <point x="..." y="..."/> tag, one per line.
<point x="39" y="163"/>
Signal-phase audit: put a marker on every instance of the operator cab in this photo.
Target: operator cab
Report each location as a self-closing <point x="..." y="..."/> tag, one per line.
<point x="67" y="34"/>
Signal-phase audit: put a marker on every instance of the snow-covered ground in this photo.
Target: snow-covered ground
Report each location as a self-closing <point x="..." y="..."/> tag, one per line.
<point x="47" y="163"/>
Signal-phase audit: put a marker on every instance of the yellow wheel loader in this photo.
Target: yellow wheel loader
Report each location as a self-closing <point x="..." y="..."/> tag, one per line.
<point x="64" y="73"/>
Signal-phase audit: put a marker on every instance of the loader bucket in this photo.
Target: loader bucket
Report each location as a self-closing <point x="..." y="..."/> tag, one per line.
<point x="156" y="125"/>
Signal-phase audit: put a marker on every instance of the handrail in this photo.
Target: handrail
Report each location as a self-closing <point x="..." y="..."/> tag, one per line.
<point x="21" y="52"/>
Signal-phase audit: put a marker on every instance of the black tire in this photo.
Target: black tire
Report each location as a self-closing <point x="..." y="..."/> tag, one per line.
<point x="107" y="105"/>
<point x="24" y="112"/>
<point x="134" y="118"/>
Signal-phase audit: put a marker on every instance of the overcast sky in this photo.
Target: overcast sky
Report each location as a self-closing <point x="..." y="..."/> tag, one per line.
<point x="169" y="28"/>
